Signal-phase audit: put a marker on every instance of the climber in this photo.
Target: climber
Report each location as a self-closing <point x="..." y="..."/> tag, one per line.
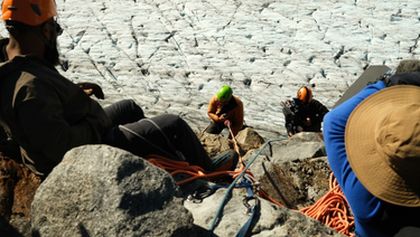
<point x="303" y="113"/>
<point x="373" y="145"/>
<point x="47" y="114"/>
<point x="224" y="110"/>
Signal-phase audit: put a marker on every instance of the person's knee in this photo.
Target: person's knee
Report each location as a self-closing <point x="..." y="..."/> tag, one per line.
<point x="171" y="121"/>
<point x="176" y="119"/>
<point x="170" y="118"/>
<point x="130" y="103"/>
<point x="134" y="107"/>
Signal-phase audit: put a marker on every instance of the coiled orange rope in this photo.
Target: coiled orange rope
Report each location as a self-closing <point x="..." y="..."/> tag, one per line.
<point x="194" y="171"/>
<point x="332" y="210"/>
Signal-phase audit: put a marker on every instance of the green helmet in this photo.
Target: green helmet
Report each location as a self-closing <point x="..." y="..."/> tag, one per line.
<point x="224" y="94"/>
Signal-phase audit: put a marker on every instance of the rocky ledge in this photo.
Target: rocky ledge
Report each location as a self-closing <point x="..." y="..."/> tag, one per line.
<point x="98" y="190"/>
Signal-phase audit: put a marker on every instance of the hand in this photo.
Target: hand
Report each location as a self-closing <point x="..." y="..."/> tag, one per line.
<point x="222" y="118"/>
<point x="92" y="89"/>
<point x="226" y="123"/>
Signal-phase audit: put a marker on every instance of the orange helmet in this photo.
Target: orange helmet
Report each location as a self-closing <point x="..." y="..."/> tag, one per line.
<point x="304" y="94"/>
<point x="29" y="12"/>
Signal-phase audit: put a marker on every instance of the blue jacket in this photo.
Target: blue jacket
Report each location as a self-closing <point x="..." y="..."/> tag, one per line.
<point x="366" y="208"/>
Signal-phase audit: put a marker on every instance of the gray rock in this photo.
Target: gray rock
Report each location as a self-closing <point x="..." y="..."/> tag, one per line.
<point x="249" y="139"/>
<point x="98" y="190"/>
<point x="303" y="146"/>
<point x="272" y="221"/>
<point x="213" y="144"/>
<point x="307" y="137"/>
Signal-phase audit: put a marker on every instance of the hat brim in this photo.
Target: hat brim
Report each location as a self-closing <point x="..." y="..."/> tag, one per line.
<point x="372" y="170"/>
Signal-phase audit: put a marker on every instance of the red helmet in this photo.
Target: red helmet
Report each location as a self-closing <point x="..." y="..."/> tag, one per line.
<point x="29" y="12"/>
<point x="304" y="94"/>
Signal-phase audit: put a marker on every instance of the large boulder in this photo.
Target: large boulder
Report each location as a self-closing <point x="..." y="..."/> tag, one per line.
<point x="213" y="143"/>
<point x="249" y="139"/>
<point x="299" y="147"/>
<point x="98" y="190"/>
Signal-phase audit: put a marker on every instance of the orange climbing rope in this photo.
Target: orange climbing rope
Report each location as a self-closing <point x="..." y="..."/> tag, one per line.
<point x="194" y="171"/>
<point x="332" y="210"/>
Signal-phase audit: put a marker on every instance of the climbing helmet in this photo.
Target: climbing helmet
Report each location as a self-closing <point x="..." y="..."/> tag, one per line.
<point x="29" y="12"/>
<point x="224" y="94"/>
<point x="304" y="94"/>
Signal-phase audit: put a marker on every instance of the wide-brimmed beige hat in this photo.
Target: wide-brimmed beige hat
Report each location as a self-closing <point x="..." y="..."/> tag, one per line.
<point x="382" y="139"/>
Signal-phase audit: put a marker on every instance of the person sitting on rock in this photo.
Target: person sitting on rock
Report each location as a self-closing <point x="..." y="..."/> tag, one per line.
<point x="47" y="114"/>
<point x="224" y="110"/>
<point x="303" y="113"/>
<point x="373" y="147"/>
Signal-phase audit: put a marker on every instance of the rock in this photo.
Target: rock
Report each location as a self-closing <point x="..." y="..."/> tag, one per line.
<point x="213" y="143"/>
<point x="249" y="139"/>
<point x="98" y="190"/>
<point x="17" y="189"/>
<point x="272" y="221"/>
<point x="298" y="148"/>
<point x="307" y="137"/>
<point x="295" y="171"/>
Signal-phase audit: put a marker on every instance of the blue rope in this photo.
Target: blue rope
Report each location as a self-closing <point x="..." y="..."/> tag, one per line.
<point x="228" y="193"/>
<point x="252" y="211"/>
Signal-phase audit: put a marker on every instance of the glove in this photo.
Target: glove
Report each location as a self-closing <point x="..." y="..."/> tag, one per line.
<point x="227" y="123"/>
<point x="92" y="89"/>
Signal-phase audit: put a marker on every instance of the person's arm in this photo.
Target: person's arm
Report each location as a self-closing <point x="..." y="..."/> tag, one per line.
<point x="212" y="109"/>
<point x="320" y="109"/>
<point x="363" y="204"/>
<point x="40" y="115"/>
<point x="238" y="119"/>
<point x="289" y="117"/>
<point x="290" y="127"/>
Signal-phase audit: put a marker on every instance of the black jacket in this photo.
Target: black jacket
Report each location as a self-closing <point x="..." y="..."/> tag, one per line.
<point x="302" y="117"/>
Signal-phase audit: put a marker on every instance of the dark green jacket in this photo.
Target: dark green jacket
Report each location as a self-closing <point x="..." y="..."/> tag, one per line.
<point x="45" y="113"/>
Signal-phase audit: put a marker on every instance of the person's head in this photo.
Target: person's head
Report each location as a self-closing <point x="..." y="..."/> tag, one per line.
<point x="31" y="23"/>
<point x="224" y="94"/>
<point x="304" y="94"/>
<point x="382" y="140"/>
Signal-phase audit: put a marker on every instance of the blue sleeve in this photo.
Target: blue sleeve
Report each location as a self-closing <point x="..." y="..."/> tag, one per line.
<point x="363" y="204"/>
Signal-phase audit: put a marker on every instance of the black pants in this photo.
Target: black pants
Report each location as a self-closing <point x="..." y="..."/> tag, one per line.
<point x="167" y="135"/>
<point x="215" y="128"/>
